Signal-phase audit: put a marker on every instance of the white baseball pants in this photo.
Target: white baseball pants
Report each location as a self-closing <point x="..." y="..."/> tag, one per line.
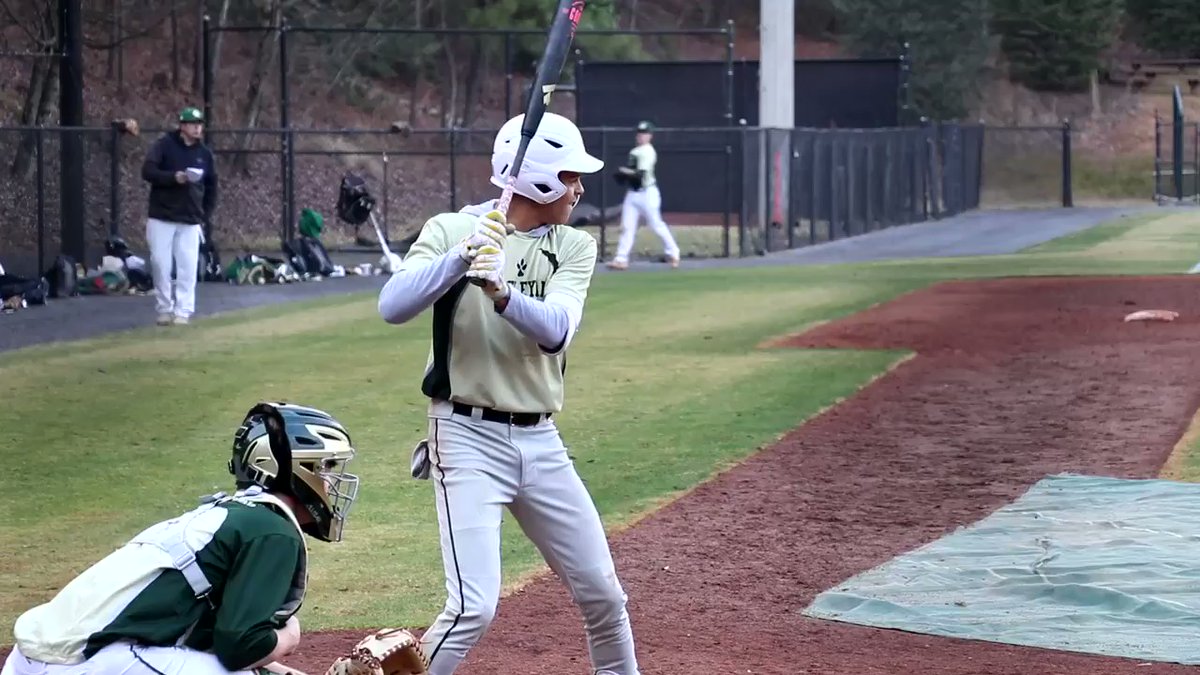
<point x="178" y="244"/>
<point x="121" y="658"/>
<point x="645" y="204"/>
<point x="478" y="469"/>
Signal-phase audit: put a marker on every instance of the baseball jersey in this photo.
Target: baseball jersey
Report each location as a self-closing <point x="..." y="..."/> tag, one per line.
<point x="476" y="356"/>
<point x="247" y="551"/>
<point x="643" y="158"/>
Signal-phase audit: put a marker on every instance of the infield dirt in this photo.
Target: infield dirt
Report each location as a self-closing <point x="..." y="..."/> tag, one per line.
<point x="1013" y="380"/>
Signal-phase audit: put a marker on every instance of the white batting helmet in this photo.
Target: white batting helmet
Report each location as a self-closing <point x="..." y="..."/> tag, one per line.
<point x="556" y="146"/>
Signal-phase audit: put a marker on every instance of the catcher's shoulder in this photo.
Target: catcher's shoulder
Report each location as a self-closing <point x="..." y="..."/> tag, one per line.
<point x="257" y="520"/>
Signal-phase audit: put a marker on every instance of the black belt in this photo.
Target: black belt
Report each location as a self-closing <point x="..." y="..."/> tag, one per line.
<point x="493" y="415"/>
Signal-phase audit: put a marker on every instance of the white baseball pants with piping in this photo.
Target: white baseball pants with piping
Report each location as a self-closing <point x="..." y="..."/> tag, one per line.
<point x="122" y="658"/>
<point x="645" y="204"/>
<point x="478" y="469"/>
<point x="177" y="243"/>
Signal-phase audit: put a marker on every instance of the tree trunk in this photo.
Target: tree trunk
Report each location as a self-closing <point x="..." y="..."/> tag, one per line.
<point x="264" y="59"/>
<point x="474" y="73"/>
<point x="41" y="102"/>
<point x="450" y="93"/>
<point x="215" y="55"/>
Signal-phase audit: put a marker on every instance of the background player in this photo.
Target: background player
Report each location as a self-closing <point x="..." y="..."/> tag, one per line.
<point x="494" y="378"/>
<point x="642" y="199"/>
<point x="145" y="609"/>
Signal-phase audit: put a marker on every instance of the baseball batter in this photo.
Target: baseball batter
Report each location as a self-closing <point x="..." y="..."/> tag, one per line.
<point x="215" y="590"/>
<point x="642" y="200"/>
<point x="494" y="379"/>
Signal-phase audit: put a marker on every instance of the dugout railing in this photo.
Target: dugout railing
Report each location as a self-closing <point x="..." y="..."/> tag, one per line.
<point x="826" y="184"/>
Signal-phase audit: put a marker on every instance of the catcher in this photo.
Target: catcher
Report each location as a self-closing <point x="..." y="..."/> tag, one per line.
<point x="215" y="590"/>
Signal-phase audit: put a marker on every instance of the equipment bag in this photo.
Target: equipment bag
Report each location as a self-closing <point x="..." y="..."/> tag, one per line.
<point x="316" y="258"/>
<point x="354" y="202"/>
<point x="61" y="275"/>
<point x="34" y="291"/>
<point x="295" y="257"/>
<point x="208" y="262"/>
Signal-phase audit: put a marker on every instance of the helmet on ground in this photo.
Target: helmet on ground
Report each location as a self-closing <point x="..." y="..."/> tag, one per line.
<point x="556" y="146"/>
<point x="302" y="452"/>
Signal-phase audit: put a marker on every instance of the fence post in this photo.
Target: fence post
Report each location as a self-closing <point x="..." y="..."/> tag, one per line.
<point x="114" y="179"/>
<point x="508" y="75"/>
<point x="730" y="176"/>
<point x="1196" y="162"/>
<point x="453" y="167"/>
<point x="1157" y="155"/>
<point x="40" y="152"/>
<point x="1068" y="198"/>
<point x="1177" y="145"/>
<point x="603" y="196"/>
<point x="387" y="236"/>
<point x="729" y="72"/>
<point x="287" y="158"/>
<point x="206" y="56"/>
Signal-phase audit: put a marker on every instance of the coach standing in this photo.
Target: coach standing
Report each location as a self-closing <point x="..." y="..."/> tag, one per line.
<point x="183" y="194"/>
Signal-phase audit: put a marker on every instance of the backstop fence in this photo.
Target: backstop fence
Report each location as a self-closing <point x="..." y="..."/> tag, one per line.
<point x="819" y="185"/>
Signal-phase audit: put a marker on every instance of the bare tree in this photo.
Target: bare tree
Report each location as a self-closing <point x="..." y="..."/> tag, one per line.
<point x="264" y="59"/>
<point x="38" y="22"/>
<point x="450" y="94"/>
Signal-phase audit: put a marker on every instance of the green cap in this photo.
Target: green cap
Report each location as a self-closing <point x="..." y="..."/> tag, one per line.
<point x="645" y="126"/>
<point x="191" y="115"/>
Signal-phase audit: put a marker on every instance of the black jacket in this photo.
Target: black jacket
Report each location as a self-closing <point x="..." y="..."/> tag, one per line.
<point x="180" y="202"/>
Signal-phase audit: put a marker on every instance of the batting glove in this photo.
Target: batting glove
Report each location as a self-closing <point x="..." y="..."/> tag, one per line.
<point x="488" y="267"/>
<point x="491" y="229"/>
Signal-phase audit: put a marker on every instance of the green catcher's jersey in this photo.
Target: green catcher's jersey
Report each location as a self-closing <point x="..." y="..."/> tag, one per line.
<point x="250" y="554"/>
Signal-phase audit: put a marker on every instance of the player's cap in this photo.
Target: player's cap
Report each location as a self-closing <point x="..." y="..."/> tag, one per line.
<point x="645" y="126"/>
<point x="191" y="115"/>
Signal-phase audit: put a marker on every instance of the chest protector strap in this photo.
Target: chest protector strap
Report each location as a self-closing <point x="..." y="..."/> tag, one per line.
<point x="170" y="537"/>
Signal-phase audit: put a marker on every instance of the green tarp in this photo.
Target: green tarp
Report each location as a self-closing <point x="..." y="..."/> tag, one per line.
<point x="1078" y="563"/>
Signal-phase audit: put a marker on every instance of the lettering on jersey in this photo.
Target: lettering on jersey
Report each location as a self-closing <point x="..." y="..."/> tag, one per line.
<point x="532" y="289"/>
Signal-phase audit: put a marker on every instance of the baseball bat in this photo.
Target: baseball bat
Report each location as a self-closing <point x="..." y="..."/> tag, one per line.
<point x="558" y="43"/>
<point x="387" y="251"/>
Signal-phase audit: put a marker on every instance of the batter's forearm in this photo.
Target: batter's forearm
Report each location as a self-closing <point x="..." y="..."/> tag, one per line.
<point x="418" y="285"/>
<point x="551" y="323"/>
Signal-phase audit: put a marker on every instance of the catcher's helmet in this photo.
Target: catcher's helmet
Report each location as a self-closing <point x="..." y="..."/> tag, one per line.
<point x="302" y="452"/>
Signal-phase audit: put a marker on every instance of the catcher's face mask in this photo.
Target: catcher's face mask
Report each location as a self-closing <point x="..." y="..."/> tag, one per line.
<point x="302" y="452"/>
<point x="321" y="483"/>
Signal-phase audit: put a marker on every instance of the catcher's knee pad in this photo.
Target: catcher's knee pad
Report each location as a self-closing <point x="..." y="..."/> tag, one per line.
<point x="600" y="597"/>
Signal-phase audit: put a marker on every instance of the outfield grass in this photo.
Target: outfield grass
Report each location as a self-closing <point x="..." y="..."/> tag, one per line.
<point x="666" y="387"/>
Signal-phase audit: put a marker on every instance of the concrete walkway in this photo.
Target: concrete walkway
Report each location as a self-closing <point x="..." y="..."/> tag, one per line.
<point x="975" y="233"/>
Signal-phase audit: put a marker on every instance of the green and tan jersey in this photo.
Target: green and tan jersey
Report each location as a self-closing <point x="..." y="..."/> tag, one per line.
<point x="643" y="158"/>
<point x="248" y="552"/>
<point x="476" y="356"/>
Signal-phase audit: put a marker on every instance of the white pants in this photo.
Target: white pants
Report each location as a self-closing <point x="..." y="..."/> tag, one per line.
<point x="124" y="659"/>
<point x="178" y="244"/>
<point x="479" y="468"/>
<point x="646" y="204"/>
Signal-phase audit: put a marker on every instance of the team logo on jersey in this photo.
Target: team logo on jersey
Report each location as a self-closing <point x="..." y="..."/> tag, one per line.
<point x="552" y="258"/>
<point x="521" y="267"/>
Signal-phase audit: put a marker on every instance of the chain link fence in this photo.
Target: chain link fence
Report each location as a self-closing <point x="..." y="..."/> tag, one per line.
<point x="765" y="190"/>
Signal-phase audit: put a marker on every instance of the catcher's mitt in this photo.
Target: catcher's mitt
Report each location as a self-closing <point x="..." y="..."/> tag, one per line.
<point x="391" y="651"/>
